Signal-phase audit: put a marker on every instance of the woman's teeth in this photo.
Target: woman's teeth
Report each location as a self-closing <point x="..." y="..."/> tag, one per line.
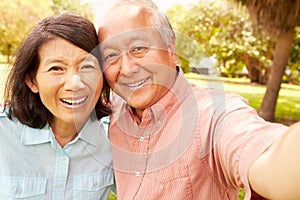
<point x="74" y="101"/>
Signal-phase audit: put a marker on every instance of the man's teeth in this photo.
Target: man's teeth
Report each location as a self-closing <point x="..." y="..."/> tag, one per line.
<point x="137" y="84"/>
<point x="74" y="101"/>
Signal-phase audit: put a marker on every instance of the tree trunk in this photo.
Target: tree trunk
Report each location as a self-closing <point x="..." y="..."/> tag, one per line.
<point x="281" y="57"/>
<point x="8" y="53"/>
<point x="252" y="65"/>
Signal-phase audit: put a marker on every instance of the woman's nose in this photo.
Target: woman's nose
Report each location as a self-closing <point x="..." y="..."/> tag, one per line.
<point x="74" y="83"/>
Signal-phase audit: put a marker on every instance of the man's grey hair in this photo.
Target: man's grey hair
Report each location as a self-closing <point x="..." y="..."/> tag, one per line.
<point x="159" y="20"/>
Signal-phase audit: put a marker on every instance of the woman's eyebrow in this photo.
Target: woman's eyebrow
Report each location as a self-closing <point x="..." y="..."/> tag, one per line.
<point x="55" y="59"/>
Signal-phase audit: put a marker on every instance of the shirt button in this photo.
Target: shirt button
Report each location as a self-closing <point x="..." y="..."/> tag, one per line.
<point x="142" y="139"/>
<point x="158" y="123"/>
<point x="62" y="157"/>
<point x="95" y="184"/>
<point x="18" y="191"/>
<point x="137" y="174"/>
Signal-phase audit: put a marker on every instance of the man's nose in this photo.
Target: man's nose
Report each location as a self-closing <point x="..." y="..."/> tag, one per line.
<point x="73" y="83"/>
<point x="129" y="65"/>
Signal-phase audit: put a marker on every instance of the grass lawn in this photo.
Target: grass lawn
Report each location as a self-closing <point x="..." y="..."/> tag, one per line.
<point x="288" y="103"/>
<point x="112" y="196"/>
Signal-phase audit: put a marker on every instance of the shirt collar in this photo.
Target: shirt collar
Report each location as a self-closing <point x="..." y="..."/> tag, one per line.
<point x="93" y="132"/>
<point x="174" y="97"/>
<point x="33" y="136"/>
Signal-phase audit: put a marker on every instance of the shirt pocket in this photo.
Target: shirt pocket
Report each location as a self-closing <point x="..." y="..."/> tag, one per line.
<point x="92" y="186"/>
<point x="22" y="188"/>
<point x="174" y="179"/>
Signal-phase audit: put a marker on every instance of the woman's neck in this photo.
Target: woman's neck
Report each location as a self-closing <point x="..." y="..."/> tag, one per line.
<point x="65" y="133"/>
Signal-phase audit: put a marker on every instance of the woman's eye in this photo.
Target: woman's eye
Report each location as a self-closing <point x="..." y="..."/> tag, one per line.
<point x="55" y="68"/>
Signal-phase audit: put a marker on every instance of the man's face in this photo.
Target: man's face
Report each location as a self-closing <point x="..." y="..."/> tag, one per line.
<point x="138" y="64"/>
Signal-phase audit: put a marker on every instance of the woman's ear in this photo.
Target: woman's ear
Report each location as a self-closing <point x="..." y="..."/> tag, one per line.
<point x="31" y="83"/>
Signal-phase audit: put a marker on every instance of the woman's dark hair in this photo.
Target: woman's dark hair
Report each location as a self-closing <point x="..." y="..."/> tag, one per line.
<point x="27" y="106"/>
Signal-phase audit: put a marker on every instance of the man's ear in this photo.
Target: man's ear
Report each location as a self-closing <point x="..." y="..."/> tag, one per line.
<point x="172" y="49"/>
<point x="31" y="83"/>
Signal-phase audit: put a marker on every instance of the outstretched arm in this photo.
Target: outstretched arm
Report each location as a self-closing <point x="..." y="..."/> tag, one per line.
<point x="276" y="173"/>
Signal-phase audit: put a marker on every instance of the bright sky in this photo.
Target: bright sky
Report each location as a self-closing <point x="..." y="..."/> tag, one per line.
<point x="165" y="4"/>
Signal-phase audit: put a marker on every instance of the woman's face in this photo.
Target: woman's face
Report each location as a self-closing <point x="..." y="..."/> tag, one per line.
<point x="69" y="81"/>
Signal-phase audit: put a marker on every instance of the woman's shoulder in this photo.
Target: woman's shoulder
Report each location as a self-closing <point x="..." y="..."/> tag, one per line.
<point x="7" y="122"/>
<point x="3" y="113"/>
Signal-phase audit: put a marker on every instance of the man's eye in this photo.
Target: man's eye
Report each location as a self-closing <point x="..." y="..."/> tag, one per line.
<point x="139" y="50"/>
<point x="110" y="57"/>
<point x="88" y="67"/>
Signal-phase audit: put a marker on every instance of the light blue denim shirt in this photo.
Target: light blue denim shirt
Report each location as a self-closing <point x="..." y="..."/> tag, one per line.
<point x="34" y="166"/>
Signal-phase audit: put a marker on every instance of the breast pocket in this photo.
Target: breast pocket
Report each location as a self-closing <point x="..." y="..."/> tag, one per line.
<point x="174" y="179"/>
<point x="22" y="188"/>
<point x="93" y="186"/>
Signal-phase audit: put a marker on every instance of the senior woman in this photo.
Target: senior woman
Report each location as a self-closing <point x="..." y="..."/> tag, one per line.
<point x="53" y="144"/>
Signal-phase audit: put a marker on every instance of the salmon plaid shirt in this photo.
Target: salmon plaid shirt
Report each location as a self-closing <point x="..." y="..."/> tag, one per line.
<point x="195" y="143"/>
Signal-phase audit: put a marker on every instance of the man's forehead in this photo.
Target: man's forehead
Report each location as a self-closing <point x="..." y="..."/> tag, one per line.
<point x="125" y="18"/>
<point x="128" y="36"/>
<point x="129" y="10"/>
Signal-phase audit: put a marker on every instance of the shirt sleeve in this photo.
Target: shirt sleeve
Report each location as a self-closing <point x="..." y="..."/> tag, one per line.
<point x="241" y="137"/>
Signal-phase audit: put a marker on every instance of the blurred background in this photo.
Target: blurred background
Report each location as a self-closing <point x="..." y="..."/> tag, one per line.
<point x="251" y="47"/>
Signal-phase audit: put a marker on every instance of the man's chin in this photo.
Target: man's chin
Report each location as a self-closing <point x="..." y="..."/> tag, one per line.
<point x="139" y="103"/>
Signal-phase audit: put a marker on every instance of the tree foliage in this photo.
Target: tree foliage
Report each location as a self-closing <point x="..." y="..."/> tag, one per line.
<point x="279" y="18"/>
<point x="276" y="16"/>
<point x="17" y="18"/>
<point x="79" y="6"/>
<point x="225" y="32"/>
<point x="293" y="68"/>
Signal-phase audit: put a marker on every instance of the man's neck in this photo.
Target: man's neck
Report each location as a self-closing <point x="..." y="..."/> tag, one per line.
<point x="137" y="114"/>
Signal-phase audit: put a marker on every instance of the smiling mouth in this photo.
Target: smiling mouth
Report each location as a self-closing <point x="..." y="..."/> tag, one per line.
<point x="73" y="102"/>
<point x="137" y="84"/>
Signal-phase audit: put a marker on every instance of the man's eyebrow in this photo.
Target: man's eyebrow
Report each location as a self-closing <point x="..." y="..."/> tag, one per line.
<point x="131" y="38"/>
<point x="104" y="46"/>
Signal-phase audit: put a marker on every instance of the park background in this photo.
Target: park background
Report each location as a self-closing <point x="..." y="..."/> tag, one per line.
<point x="248" y="47"/>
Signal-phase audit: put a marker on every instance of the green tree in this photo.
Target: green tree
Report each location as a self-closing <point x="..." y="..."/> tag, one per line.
<point x="279" y="18"/>
<point x="82" y="7"/>
<point x="17" y="17"/>
<point x="188" y="49"/>
<point x="293" y="67"/>
<point x="225" y="32"/>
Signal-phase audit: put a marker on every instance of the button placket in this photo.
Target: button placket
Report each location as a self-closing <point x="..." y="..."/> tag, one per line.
<point x="61" y="174"/>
